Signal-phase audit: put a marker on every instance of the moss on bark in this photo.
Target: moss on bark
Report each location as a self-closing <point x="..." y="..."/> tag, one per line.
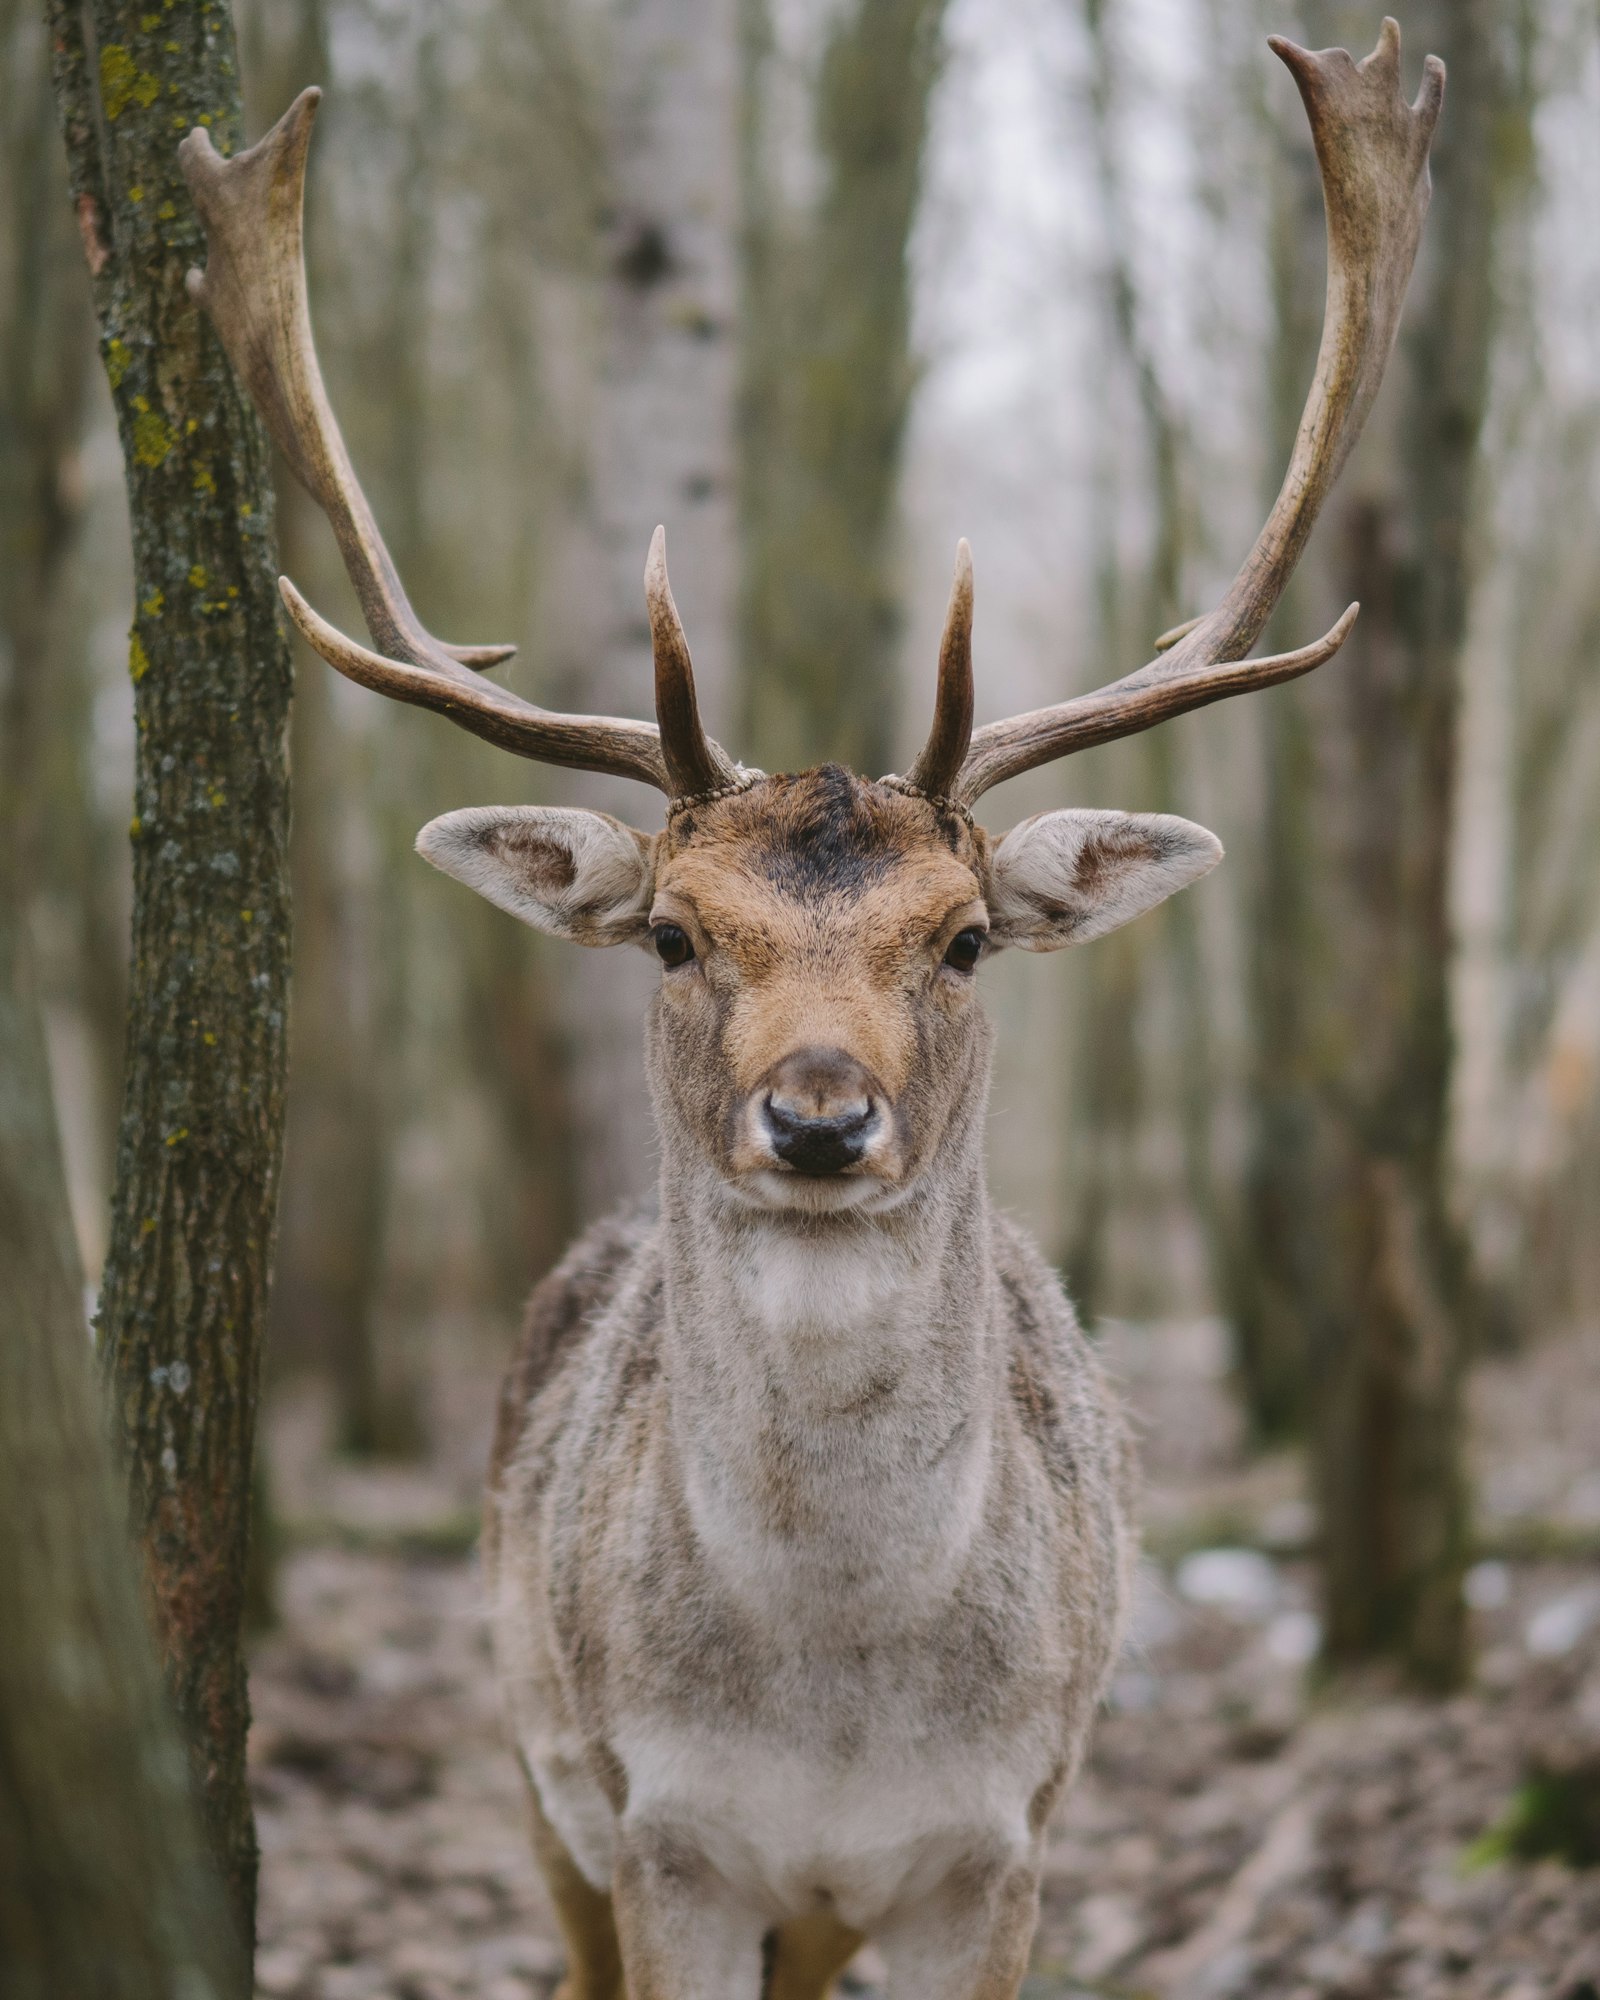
<point x="184" y="1290"/>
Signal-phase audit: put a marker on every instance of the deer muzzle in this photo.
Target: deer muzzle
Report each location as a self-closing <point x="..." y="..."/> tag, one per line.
<point x="820" y="1111"/>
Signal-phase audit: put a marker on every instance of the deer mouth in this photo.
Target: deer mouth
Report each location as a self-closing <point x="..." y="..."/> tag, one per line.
<point x="782" y="1190"/>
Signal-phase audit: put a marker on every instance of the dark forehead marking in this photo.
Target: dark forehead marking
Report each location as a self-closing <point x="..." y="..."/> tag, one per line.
<point x="823" y="832"/>
<point x="826" y="832"/>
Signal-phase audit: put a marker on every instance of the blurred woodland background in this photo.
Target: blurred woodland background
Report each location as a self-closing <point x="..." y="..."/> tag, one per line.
<point x="822" y="285"/>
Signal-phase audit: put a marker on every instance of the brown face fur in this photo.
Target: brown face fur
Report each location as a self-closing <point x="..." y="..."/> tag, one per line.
<point x="820" y="909"/>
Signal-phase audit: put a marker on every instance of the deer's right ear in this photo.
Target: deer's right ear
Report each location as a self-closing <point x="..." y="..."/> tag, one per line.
<point x="1065" y="877"/>
<point x="579" y="875"/>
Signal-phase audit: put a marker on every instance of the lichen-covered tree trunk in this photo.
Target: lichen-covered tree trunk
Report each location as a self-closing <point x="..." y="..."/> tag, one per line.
<point x="826" y="379"/>
<point x="105" y="1886"/>
<point x="184" y="1291"/>
<point x="1351" y="1143"/>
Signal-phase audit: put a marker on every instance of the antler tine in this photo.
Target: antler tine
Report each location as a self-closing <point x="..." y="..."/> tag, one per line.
<point x="694" y="763"/>
<point x="1372" y="149"/>
<point x="614" y="744"/>
<point x="939" y="762"/>
<point x="254" y="288"/>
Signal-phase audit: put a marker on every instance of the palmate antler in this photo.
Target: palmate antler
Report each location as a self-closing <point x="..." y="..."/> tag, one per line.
<point x="254" y="288"/>
<point x="1372" y="148"/>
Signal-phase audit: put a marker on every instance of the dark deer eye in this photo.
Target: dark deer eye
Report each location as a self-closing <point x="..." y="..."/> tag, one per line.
<point x="964" y="951"/>
<point x="672" y="945"/>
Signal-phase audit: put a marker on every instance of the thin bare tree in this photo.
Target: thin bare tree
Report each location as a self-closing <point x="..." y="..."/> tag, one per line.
<point x="182" y="1303"/>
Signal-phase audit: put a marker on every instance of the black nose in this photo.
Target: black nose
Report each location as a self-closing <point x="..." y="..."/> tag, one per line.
<point x="818" y="1145"/>
<point x="821" y="1106"/>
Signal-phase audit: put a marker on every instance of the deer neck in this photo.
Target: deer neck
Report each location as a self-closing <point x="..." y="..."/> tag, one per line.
<point x="832" y="1383"/>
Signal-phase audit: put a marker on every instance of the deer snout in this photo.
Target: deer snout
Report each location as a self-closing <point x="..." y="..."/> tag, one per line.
<point x="821" y="1110"/>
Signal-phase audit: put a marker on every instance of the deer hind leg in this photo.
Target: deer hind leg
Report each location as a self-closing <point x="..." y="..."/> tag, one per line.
<point x="808" y="1956"/>
<point x="588" y="1925"/>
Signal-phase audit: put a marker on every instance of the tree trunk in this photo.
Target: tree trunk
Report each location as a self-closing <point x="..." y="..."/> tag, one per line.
<point x="43" y="364"/>
<point x="660" y="450"/>
<point x="827" y="374"/>
<point x="1355" y="1145"/>
<point x="1273" y="1333"/>
<point x="105" y="1887"/>
<point x="184" y="1293"/>
<point x="46" y="352"/>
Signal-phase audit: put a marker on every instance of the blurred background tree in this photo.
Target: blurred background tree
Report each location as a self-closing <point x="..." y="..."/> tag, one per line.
<point x="105" y="1883"/>
<point x="831" y="147"/>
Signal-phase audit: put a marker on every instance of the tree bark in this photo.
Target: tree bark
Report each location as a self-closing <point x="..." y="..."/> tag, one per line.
<point x="826" y="380"/>
<point x="184" y="1292"/>
<point x="105" y="1886"/>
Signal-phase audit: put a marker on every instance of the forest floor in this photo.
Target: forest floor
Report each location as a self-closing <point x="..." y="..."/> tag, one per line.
<point x="1236" y="1831"/>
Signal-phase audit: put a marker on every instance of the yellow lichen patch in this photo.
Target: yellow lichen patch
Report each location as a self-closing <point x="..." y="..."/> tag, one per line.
<point x="149" y="22"/>
<point x="247" y="916"/>
<point x="154" y="604"/>
<point x="122" y="82"/>
<point x="166" y="212"/>
<point x="209" y="1039"/>
<point x="136" y="195"/>
<point x="198" y="578"/>
<point x="204" y="482"/>
<point x="138" y="663"/>
<point x="218" y="797"/>
<point x="118" y="357"/>
<point x="148" y="1226"/>
<point x="153" y="438"/>
<point x="246" y="511"/>
<point x="177" y="1138"/>
<point x="135" y="827"/>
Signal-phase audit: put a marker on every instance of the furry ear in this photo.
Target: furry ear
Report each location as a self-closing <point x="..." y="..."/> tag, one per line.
<point x="1066" y="877"/>
<point x="579" y="875"/>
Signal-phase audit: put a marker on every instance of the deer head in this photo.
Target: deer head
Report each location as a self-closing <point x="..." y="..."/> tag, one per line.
<point x="816" y="1037"/>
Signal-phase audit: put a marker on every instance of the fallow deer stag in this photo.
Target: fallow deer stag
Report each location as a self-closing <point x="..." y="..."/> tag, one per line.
<point x="808" y="1528"/>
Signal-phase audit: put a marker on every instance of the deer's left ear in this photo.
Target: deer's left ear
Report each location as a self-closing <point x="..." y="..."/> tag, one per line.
<point x="1066" y="877"/>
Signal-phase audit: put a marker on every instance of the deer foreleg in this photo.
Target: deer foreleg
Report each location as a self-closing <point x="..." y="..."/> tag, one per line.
<point x="583" y="1912"/>
<point x="685" y="1934"/>
<point x="969" y="1941"/>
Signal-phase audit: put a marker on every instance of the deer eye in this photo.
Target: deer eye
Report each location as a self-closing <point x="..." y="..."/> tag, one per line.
<point x="964" y="949"/>
<point x="672" y="945"/>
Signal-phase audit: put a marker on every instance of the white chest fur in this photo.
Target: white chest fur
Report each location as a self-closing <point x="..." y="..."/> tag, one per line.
<point x="833" y="1426"/>
<point x="792" y="1835"/>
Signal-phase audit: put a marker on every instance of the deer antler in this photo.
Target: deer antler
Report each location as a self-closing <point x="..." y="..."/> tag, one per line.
<point x="254" y="288"/>
<point x="941" y="756"/>
<point x="1372" y="149"/>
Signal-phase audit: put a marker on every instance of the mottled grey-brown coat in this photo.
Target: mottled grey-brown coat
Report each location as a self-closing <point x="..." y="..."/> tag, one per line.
<point x="809" y="1524"/>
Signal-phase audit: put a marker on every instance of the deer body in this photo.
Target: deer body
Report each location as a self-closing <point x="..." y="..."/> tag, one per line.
<point x="808" y="1526"/>
<point x="838" y="1654"/>
<point x="808" y="1551"/>
<point x="809" y="1514"/>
